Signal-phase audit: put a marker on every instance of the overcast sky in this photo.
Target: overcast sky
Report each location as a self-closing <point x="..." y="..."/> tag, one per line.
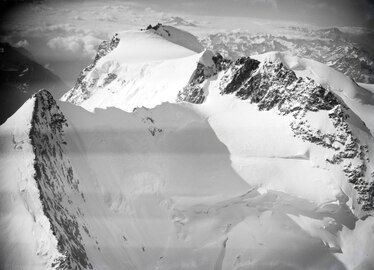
<point x="320" y="12"/>
<point x="63" y="34"/>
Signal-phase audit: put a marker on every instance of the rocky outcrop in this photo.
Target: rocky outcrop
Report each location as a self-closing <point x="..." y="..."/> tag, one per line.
<point x="57" y="184"/>
<point x="273" y="86"/>
<point x="106" y="47"/>
<point x="194" y="92"/>
<point x="82" y="84"/>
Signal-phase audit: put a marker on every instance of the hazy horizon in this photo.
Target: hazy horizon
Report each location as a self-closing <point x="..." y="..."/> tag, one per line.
<point x="63" y="35"/>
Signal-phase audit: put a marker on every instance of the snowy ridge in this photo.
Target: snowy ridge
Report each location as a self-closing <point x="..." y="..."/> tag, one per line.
<point x="157" y="190"/>
<point x="274" y="86"/>
<point x="126" y="74"/>
<point x="358" y="99"/>
<point x="193" y="161"/>
<point x="47" y="189"/>
<point x="177" y="36"/>
<point x="27" y="237"/>
<point x="58" y="186"/>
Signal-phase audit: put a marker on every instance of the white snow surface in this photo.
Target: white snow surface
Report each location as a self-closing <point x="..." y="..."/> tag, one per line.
<point x="218" y="185"/>
<point x="26" y="239"/>
<point x="150" y="68"/>
<point x="151" y="45"/>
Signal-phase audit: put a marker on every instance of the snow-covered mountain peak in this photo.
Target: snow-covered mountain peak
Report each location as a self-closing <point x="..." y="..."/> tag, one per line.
<point x="359" y="99"/>
<point x="146" y="46"/>
<point x="205" y="163"/>
<point x="139" y="68"/>
<point x="177" y="36"/>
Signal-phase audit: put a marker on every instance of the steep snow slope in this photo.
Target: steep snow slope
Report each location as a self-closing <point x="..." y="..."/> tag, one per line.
<point x="155" y="189"/>
<point x="39" y="228"/>
<point x="26" y="239"/>
<point x="141" y="68"/>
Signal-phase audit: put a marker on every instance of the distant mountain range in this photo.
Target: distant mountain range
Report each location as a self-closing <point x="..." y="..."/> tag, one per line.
<point x="344" y="52"/>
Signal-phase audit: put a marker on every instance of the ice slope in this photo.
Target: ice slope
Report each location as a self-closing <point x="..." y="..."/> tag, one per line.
<point x="358" y="98"/>
<point x="27" y="241"/>
<point x="157" y="191"/>
<point x="144" y="69"/>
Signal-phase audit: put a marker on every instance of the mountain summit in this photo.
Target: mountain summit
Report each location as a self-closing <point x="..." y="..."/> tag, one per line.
<point x="168" y="156"/>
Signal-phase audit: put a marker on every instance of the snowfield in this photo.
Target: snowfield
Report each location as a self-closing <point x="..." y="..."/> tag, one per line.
<point x="124" y="177"/>
<point x="149" y="68"/>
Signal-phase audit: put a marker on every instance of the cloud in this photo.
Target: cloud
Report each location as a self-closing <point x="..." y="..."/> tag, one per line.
<point x="107" y="17"/>
<point x="46" y="29"/>
<point x="271" y="3"/>
<point x="82" y="46"/>
<point x="53" y="30"/>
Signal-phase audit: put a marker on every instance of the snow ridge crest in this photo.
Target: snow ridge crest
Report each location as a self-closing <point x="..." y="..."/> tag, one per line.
<point x="57" y="184"/>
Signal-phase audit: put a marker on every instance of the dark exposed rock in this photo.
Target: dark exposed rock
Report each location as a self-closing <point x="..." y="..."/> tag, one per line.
<point x="106" y="47"/>
<point x="56" y="180"/>
<point x="156" y="27"/>
<point x="81" y="86"/>
<point x="109" y="78"/>
<point x="273" y="86"/>
<point x="193" y="92"/>
<point x="246" y="66"/>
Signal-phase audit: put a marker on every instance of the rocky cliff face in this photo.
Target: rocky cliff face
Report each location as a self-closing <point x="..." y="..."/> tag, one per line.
<point x="272" y="86"/>
<point x="57" y="184"/>
<point x="194" y="92"/>
<point x="83" y="83"/>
